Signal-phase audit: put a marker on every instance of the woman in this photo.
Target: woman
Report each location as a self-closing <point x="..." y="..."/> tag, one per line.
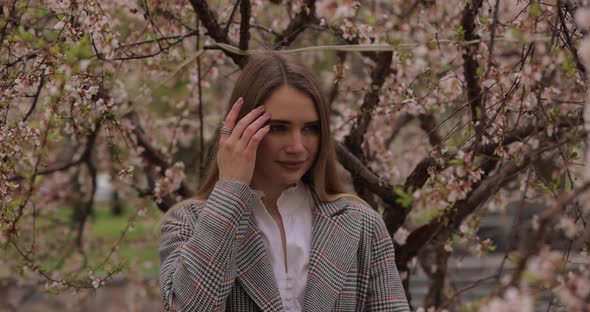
<point x="272" y="228"/>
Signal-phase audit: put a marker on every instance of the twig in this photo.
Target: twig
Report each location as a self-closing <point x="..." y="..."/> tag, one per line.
<point x="538" y="237"/>
<point x="35" y="99"/>
<point x="297" y="25"/>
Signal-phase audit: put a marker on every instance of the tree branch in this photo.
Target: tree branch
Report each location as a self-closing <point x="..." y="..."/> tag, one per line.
<point x="568" y="40"/>
<point x="35" y="98"/>
<point x="244" y="24"/>
<point x="297" y="25"/>
<point x="353" y="141"/>
<point x="539" y="236"/>
<point x="433" y="261"/>
<point x="364" y="175"/>
<point x="231" y="17"/>
<point x="155" y="158"/>
<point x="470" y="65"/>
<point x="428" y="124"/>
<point x="440" y="229"/>
<point x="209" y="21"/>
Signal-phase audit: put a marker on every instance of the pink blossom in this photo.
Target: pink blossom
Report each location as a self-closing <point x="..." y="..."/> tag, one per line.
<point x="568" y="226"/>
<point x="573" y="292"/>
<point x="171" y="181"/>
<point x="349" y="30"/>
<point x="546" y="265"/>
<point x="514" y="300"/>
<point x="582" y="18"/>
<point x="401" y="235"/>
<point x="584" y="52"/>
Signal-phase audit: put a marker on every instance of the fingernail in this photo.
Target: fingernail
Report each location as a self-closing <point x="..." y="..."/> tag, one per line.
<point x="240" y="100"/>
<point x="267" y="115"/>
<point x="261" y="108"/>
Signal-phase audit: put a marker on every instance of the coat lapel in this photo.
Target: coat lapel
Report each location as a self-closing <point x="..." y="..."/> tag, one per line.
<point x="335" y="239"/>
<point x="255" y="272"/>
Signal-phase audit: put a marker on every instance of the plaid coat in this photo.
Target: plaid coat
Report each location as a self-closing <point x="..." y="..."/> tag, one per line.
<point x="213" y="259"/>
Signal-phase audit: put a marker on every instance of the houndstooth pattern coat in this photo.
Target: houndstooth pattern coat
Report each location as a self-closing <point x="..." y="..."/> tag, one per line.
<point x="212" y="258"/>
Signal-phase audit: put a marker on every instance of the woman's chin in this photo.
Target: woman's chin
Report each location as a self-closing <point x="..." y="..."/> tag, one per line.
<point x="288" y="178"/>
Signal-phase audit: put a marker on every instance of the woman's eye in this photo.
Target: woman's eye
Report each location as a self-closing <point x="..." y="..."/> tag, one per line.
<point x="277" y="128"/>
<point x="313" y="129"/>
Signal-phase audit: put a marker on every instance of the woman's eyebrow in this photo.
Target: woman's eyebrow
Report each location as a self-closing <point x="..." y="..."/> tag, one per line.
<point x="281" y="121"/>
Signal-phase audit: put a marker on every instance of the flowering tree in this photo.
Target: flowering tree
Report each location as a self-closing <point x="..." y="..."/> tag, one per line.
<point x="444" y="112"/>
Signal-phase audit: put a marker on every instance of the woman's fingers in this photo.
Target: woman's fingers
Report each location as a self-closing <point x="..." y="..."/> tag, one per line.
<point x="256" y="138"/>
<point x="252" y="129"/>
<point x="236" y="155"/>
<point x="241" y="126"/>
<point x="230" y="119"/>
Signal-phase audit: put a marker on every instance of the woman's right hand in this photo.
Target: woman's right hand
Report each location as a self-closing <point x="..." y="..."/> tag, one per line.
<point x="236" y="155"/>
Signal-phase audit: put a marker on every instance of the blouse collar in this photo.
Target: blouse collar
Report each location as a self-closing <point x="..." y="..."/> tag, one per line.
<point x="291" y="199"/>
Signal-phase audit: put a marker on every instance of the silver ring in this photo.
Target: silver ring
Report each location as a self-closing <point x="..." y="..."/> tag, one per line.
<point x="226" y="130"/>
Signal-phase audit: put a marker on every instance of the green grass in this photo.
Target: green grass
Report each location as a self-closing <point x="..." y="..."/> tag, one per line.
<point x="139" y="247"/>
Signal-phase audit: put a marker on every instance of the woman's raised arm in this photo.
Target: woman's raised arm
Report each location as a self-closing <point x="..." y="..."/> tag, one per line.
<point x="199" y="239"/>
<point x="198" y="249"/>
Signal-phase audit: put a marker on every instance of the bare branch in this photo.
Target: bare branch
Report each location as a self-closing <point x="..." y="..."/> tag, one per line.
<point x="201" y="114"/>
<point x="354" y="139"/>
<point x="364" y="175"/>
<point x="341" y="56"/>
<point x="568" y="39"/>
<point x="165" y="38"/>
<point x="25" y="57"/>
<point x="137" y="57"/>
<point x="492" y="39"/>
<point x="395" y="215"/>
<point x="297" y="25"/>
<point x="155" y="158"/>
<point x="441" y="228"/>
<point x="209" y="21"/>
<point x="433" y="260"/>
<point x="231" y="17"/>
<point x="428" y="124"/>
<point x="244" y="24"/>
<point x="35" y="99"/>
<point x="470" y="65"/>
<point x="545" y="221"/>
<point x="86" y="207"/>
<point x="9" y="21"/>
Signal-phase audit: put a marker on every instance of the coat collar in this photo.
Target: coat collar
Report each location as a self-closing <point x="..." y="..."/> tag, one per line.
<point x="254" y="270"/>
<point x="336" y="233"/>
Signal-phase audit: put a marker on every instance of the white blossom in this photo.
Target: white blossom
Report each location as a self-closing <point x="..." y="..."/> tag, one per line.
<point x="514" y="300"/>
<point x="582" y="18"/>
<point x="401" y="235"/>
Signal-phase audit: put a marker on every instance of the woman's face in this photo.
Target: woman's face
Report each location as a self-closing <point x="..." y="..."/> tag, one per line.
<point x="290" y="148"/>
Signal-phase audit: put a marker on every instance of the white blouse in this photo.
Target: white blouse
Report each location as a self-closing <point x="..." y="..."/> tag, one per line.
<point x="295" y="206"/>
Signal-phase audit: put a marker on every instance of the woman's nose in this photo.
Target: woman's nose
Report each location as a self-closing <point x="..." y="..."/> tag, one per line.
<point x="295" y="144"/>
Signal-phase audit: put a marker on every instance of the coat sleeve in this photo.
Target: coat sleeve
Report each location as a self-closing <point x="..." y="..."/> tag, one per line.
<point x="385" y="292"/>
<point x="197" y="252"/>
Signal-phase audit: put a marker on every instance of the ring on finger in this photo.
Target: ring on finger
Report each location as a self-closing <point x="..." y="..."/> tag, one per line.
<point x="226" y="130"/>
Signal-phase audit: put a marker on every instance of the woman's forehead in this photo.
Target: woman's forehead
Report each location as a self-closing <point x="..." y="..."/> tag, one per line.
<point x="290" y="104"/>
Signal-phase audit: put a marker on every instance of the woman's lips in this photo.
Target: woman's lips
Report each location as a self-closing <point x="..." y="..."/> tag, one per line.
<point x="292" y="164"/>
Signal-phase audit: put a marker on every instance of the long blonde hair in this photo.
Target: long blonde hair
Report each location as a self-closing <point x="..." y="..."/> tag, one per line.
<point x="262" y="75"/>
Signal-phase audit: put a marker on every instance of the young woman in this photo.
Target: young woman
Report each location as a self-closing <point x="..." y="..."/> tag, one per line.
<point x="272" y="228"/>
